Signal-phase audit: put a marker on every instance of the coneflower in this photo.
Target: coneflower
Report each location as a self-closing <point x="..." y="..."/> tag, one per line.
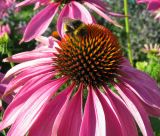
<point x="153" y="6"/>
<point x="82" y="87"/>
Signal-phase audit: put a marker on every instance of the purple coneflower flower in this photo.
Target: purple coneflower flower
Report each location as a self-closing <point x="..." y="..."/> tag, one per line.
<point x="82" y="87"/>
<point x="74" y="9"/>
<point x="4" y="29"/>
<point x="153" y="6"/>
<point x="5" y="5"/>
<point x="152" y="48"/>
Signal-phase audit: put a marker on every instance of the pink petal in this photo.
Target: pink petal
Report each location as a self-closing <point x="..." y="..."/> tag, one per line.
<point x="15" y="107"/>
<point x="1" y="75"/>
<point x="99" y="4"/>
<point x="2" y="89"/>
<point x="136" y="110"/>
<point x="1" y="105"/>
<point x="25" y="3"/>
<point x="153" y="5"/>
<point x="139" y="76"/>
<point x="73" y="10"/>
<point x="61" y="113"/>
<point x="142" y="1"/>
<point x="72" y="116"/>
<point x="145" y="88"/>
<point x="66" y="12"/>
<point x="81" y="13"/>
<point x="101" y="13"/>
<point x="32" y="108"/>
<point x="22" y="78"/>
<point x="20" y="67"/>
<point x="93" y="123"/>
<point x="148" y="96"/>
<point x="120" y="108"/>
<point x="40" y="22"/>
<point x="116" y="127"/>
<point x="48" y="116"/>
<point x="27" y="56"/>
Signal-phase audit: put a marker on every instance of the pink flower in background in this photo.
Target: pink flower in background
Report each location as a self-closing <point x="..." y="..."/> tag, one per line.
<point x="66" y="90"/>
<point x="5" y="5"/>
<point x="3" y="8"/>
<point x="4" y="29"/>
<point x="71" y="9"/>
<point x="153" y="6"/>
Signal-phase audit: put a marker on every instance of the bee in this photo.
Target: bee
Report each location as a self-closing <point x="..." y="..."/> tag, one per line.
<point x="74" y="27"/>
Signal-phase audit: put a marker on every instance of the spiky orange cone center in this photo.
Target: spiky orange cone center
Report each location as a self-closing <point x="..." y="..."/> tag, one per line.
<point x="92" y="58"/>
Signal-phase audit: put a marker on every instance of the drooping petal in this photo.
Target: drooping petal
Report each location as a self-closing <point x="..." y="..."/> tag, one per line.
<point x="101" y="13"/>
<point x="150" y="99"/>
<point x="61" y="112"/>
<point x="142" y="1"/>
<point x="153" y="5"/>
<point x="73" y="10"/>
<point x="66" y="12"/>
<point x="27" y="90"/>
<point x="126" y="119"/>
<point x="25" y="3"/>
<point x="111" y="115"/>
<point x="22" y="78"/>
<point x="1" y="75"/>
<point x="81" y="13"/>
<point x="99" y="4"/>
<point x="40" y="22"/>
<point x="20" y="67"/>
<point x="28" y="55"/>
<point x="93" y="123"/>
<point x="8" y="98"/>
<point x="54" y="108"/>
<point x="2" y="89"/>
<point x="32" y="108"/>
<point x="72" y="116"/>
<point x="138" y="75"/>
<point x="144" y="87"/>
<point x="136" y="109"/>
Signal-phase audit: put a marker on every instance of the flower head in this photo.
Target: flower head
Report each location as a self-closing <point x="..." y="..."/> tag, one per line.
<point x="74" y="9"/>
<point x="5" y="5"/>
<point x="152" y="49"/>
<point x="153" y="6"/>
<point x="66" y="90"/>
<point x="4" y="29"/>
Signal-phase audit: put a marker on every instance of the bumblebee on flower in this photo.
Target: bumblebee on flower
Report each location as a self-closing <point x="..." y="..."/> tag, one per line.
<point x="75" y="9"/>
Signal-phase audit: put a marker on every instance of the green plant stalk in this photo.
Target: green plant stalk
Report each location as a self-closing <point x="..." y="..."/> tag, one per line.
<point x="128" y="32"/>
<point x="9" y="55"/>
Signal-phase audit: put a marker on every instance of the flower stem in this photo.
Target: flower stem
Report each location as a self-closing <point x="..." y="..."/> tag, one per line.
<point x="9" y="54"/>
<point x="128" y="32"/>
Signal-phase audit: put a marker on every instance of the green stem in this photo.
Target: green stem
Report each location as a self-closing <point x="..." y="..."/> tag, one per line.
<point x="9" y="54"/>
<point x="128" y="32"/>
